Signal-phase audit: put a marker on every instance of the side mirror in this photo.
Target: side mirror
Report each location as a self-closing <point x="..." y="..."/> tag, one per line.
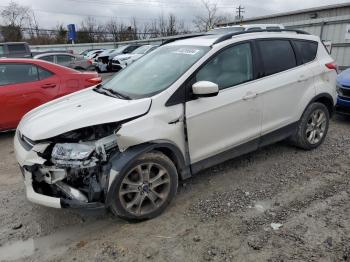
<point x="205" y="89"/>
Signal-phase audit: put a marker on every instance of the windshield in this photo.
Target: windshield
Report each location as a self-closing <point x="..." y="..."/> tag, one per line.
<point x="227" y="30"/>
<point x="155" y="71"/>
<point x="141" y="49"/>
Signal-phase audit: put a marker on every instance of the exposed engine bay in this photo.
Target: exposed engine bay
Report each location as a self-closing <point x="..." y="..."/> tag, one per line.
<point x="76" y="167"/>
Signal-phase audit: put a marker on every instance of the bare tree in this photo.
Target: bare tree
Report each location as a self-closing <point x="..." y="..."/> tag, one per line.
<point x="210" y="17"/>
<point x="112" y="28"/>
<point x="15" y="18"/>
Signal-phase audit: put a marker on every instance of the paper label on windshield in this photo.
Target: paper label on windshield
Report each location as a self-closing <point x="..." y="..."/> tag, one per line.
<point x="187" y="51"/>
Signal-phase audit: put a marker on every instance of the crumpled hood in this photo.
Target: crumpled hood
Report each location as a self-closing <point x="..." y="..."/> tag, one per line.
<point x="344" y="78"/>
<point x="78" y="110"/>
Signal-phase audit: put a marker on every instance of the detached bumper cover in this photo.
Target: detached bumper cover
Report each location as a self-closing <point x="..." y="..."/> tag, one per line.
<point x="55" y="202"/>
<point x="37" y="198"/>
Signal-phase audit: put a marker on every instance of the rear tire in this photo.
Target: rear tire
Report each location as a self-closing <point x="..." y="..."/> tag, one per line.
<point x="312" y="128"/>
<point x="145" y="189"/>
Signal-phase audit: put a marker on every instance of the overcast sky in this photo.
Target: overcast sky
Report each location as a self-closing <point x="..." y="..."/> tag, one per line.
<point x="52" y="12"/>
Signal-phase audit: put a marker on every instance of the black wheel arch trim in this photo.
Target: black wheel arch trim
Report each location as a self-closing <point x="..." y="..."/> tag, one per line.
<point x="121" y="161"/>
<point x="324" y="96"/>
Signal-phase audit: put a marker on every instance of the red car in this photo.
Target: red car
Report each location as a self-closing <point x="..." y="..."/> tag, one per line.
<point x="28" y="83"/>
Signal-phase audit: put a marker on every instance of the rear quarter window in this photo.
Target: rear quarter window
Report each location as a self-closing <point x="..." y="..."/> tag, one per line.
<point x="43" y="73"/>
<point x="306" y="49"/>
<point x="2" y="50"/>
<point x="277" y="55"/>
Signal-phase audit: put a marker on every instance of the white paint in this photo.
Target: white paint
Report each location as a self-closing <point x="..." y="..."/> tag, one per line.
<point x="79" y="110"/>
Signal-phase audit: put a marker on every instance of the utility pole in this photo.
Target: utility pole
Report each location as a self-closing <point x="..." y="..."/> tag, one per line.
<point x="240" y="11"/>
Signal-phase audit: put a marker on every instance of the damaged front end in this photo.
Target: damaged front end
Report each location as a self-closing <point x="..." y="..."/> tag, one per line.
<point x="76" y="168"/>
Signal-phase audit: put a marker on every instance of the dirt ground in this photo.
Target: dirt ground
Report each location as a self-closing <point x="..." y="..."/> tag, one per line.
<point x="225" y="213"/>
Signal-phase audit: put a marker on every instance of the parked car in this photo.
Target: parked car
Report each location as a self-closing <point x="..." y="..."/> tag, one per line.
<point x="242" y="28"/>
<point x="123" y="60"/>
<point x="28" y="83"/>
<point x="85" y="52"/>
<point x="15" y="49"/>
<point x="104" y="60"/>
<point x="72" y="61"/>
<point x="343" y="89"/>
<point x="184" y="107"/>
<point x="93" y="54"/>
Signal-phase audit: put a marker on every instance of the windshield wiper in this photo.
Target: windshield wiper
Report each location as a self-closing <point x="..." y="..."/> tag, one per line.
<point x="101" y="90"/>
<point x="110" y="92"/>
<point x="118" y="94"/>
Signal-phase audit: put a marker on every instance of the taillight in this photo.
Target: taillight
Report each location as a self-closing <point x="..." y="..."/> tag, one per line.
<point x="95" y="80"/>
<point x="332" y="66"/>
<point x="89" y="62"/>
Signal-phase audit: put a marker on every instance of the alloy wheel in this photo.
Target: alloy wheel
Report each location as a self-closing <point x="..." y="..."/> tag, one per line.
<point x="145" y="188"/>
<point x="316" y="127"/>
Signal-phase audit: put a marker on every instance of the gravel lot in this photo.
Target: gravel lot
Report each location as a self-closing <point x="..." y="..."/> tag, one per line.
<point x="225" y="213"/>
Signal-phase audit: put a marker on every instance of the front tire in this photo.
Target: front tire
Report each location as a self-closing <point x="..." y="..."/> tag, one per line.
<point x="146" y="188"/>
<point x="312" y="128"/>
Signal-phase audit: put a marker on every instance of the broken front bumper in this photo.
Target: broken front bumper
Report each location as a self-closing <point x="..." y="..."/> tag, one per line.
<point x="54" y="202"/>
<point x="27" y="157"/>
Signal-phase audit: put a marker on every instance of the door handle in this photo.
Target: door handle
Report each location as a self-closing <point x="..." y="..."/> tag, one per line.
<point x="51" y="85"/>
<point x="302" y="78"/>
<point x="250" y="95"/>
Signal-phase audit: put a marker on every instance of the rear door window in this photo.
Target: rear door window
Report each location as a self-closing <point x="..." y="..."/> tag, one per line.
<point x="62" y="59"/>
<point x="14" y="73"/>
<point x="306" y="49"/>
<point x="277" y="56"/>
<point x="49" y="58"/>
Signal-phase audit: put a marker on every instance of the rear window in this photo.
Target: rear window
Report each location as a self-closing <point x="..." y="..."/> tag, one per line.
<point x="307" y="50"/>
<point x="17" y="48"/>
<point x="277" y="56"/>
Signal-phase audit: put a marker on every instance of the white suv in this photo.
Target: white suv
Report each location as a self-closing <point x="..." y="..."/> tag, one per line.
<point x="190" y="104"/>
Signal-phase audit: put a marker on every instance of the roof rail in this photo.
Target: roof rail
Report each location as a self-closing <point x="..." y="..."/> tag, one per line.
<point x="230" y="35"/>
<point x="181" y="37"/>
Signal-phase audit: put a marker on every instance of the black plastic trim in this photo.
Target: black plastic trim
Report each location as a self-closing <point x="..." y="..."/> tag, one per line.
<point x="75" y="204"/>
<point x="121" y="160"/>
<point x="224" y="156"/>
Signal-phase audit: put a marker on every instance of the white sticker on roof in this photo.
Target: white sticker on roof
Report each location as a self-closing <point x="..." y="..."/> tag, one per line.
<point x="186" y="51"/>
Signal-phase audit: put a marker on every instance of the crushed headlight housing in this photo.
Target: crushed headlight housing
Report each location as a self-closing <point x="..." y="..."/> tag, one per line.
<point x="72" y="151"/>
